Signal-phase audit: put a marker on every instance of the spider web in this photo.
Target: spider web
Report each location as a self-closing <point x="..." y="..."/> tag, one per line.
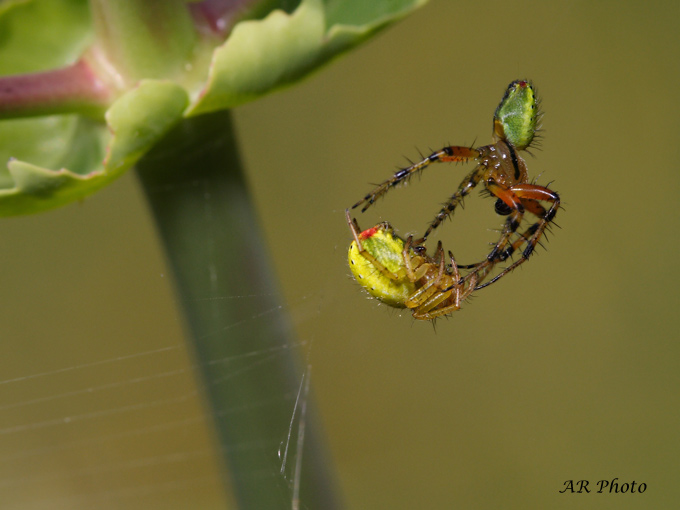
<point x="101" y="405"/>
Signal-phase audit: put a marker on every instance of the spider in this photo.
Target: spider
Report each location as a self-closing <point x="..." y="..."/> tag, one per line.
<point x="504" y="174"/>
<point x="402" y="275"/>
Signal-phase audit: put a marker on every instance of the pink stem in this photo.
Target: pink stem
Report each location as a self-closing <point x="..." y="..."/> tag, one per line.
<point x="72" y="89"/>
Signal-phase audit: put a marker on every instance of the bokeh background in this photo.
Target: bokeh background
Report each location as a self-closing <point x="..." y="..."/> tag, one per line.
<point x="565" y="370"/>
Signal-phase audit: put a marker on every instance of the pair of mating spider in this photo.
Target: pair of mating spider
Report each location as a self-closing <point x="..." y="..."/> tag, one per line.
<point x="400" y="273"/>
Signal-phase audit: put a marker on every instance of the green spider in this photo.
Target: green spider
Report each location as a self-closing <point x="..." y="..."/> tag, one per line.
<point x="502" y="170"/>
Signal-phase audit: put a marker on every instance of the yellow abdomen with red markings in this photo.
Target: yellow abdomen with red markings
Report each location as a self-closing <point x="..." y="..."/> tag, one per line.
<point x="385" y="247"/>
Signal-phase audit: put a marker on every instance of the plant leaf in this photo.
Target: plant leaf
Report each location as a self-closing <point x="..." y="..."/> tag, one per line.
<point x="265" y="55"/>
<point x="138" y="120"/>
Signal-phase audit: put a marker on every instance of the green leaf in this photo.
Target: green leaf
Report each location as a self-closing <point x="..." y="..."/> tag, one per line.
<point x="138" y="120"/>
<point x="265" y="55"/>
<point x="39" y="35"/>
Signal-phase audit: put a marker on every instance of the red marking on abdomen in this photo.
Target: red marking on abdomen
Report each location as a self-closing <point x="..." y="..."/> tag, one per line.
<point x="367" y="234"/>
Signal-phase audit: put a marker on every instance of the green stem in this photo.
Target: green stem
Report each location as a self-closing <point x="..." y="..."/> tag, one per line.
<point x="241" y="338"/>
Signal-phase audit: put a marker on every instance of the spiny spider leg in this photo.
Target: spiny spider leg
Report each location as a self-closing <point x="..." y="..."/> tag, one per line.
<point x="483" y="269"/>
<point x="522" y="239"/>
<point x="470" y="181"/>
<point x="514" y="204"/>
<point x="409" y="261"/>
<point x="433" y="299"/>
<point x="527" y="194"/>
<point x="459" y="290"/>
<point x="447" y="154"/>
<point x="531" y="234"/>
<point x="422" y="297"/>
<point x="530" y="194"/>
<point x="533" y="207"/>
<point x="469" y="282"/>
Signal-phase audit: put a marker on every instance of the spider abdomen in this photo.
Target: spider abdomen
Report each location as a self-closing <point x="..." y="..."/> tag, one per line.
<point x="516" y="118"/>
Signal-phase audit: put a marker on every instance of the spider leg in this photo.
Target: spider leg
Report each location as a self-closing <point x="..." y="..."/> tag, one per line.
<point x="414" y="265"/>
<point x="447" y="154"/>
<point x="439" y="290"/>
<point x="529" y="205"/>
<point x="533" y="206"/>
<point x="470" y="181"/>
<point x="483" y="269"/>
<point x="465" y="286"/>
<point x="514" y="203"/>
<point x="458" y="290"/>
<point x="537" y="210"/>
<point x="354" y="227"/>
<point x="528" y="193"/>
<point x="450" y="287"/>
<point x="457" y="286"/>
<point x="510" y="198"/>
<point x="429" y="312"/>
<point x="429" y="291"/>
<point x="467" y="266"/>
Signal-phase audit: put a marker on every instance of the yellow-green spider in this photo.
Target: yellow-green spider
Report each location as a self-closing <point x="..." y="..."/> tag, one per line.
<point x="402" y="275"/>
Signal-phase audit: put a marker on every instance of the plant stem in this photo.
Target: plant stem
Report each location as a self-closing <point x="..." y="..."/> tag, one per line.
<point x="241" y="338"/>
<point x="72" y="89"/>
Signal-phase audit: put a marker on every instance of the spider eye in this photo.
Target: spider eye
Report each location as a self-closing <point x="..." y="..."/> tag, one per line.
<point x="502" y="208"/>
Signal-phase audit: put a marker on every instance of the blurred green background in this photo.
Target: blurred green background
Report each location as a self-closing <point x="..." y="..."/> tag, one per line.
<point x="566" y="369"/>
